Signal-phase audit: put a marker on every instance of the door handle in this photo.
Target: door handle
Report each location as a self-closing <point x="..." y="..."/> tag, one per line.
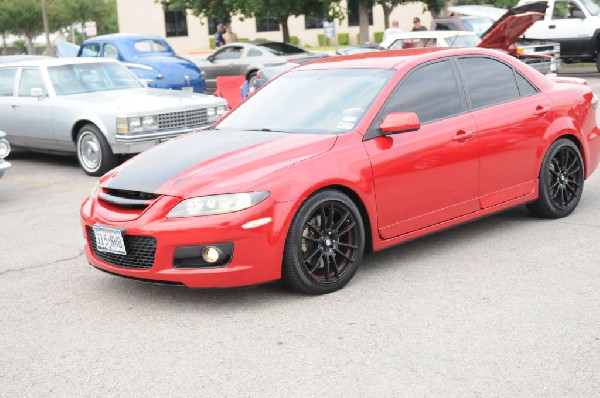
<point x="552" y="27"/>
<point x="15" y="106"/>
<point x="541" y="110"/>
<point x="462" y="136"/>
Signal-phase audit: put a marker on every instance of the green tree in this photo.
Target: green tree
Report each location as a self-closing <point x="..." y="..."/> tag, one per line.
<point x="496" y="3"/>
<point x="22" y="17"/>
<point x="65" y="13"/>
<point x="274" y="9"/>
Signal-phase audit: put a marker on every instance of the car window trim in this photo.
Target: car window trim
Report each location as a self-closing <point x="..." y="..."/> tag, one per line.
<point x="470" y="106"/>
<point x="373" y="131"/>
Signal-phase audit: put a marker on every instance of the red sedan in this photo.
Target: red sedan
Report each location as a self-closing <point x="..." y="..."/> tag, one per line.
<point x="342" y="157"/>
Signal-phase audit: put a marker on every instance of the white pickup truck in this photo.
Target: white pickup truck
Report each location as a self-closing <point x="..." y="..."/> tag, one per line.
<point x="575" y="24"/>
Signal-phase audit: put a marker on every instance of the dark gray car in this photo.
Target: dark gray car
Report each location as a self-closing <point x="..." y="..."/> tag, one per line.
<point x="246" y="59"/>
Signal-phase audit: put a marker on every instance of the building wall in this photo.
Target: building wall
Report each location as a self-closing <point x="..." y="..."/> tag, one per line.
<point x="147" y="16"/>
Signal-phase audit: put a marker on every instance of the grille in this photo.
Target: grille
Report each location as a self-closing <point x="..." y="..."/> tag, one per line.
<point x="192" y="117"/>
<point x="140" y="251"/>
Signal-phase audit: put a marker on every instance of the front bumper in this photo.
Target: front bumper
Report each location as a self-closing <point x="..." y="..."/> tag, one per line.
<point x="139" y="142"/>
<point x="257" y="252"/>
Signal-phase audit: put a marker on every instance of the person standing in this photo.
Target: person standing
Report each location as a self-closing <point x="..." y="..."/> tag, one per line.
<point x="393" y="30"/>
<point x="219" y="38"/>
<point x="230" y="36"/>
<point x="417" y="27"/>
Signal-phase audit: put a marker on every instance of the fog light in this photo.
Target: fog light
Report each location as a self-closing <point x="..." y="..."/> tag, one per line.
<point x="211" y="254"/>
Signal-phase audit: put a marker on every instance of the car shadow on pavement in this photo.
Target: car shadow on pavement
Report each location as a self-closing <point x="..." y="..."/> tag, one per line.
<point x="380" y="264"/>
<point x="43" y="157"/>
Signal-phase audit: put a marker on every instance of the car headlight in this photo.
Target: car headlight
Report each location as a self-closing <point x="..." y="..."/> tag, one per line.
<point x="4" y="149"/>
<point x="215" y="113"/>
<point x="217" y="204"/>
<point x="137" y="124"/>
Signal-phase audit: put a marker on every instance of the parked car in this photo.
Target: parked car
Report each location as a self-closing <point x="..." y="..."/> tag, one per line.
<point x="150" y="57"/>
<point x="363" y="48"/>
<point x="298" y="187"/>
<point x="575" y="24"/>
<point x="246" y="59"/>
<point x="270" y="72"/>
<point x="482" y="20"/>
<point x="4" y="152"/>
<point x="502" y="36"/>
<point x="96" y="108"/>
<point x="431" y="38"/>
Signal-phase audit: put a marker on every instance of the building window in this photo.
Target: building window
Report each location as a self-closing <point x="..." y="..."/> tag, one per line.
<point x="353" y="13"/>
<point x="214" y="22"/>
<point x="311" y="22"/>
<point x="175" y="23"/>
<point x="267" y="25"/>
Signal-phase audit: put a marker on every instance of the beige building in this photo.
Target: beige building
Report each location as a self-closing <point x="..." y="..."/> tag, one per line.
<point x="189" y="34"/>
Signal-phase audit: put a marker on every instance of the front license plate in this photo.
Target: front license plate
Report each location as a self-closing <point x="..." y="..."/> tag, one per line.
<point x="190" y="89"/>
<point x="109" y="240"/>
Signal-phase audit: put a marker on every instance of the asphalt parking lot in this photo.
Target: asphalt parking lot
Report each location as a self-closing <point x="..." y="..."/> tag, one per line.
<point x="504" y="306"/>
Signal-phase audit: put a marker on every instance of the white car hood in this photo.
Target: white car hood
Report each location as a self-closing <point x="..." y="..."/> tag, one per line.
<point x="147" y="100"/>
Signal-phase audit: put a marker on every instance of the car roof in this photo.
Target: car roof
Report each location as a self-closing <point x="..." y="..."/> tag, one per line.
<point x="425" y="34"/>
<point x="123" y="37"/>
<point x="391" y="59"/>
<point x="59" y="61"/>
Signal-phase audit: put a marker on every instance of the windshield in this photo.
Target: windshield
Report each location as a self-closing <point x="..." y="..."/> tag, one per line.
<point x="478" y="25"/>
<point x="463" y="41"/>
<point x="281" y="48"/>
<point x="593" y="6"/>
<point x="91" y="77"/>
<point x="331" y="101"/>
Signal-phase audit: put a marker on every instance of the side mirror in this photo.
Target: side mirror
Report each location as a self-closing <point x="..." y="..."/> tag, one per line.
<point x="211" y="58"/>
<point x="399" y="122"/>
<point x="36" y="92"/>
<point x="578" y="14"/>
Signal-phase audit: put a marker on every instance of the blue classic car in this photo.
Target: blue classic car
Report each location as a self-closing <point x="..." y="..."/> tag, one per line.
<point x="4" y="151"/>
<point x="150" y="57"/>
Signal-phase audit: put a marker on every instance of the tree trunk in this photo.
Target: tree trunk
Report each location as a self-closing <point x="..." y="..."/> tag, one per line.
<point x="29" y="43"/>
<point x="387" y="11"/>
<point x="363" y="23"/>
<point x="4" y="46"/>
<point x="285" y="29"/>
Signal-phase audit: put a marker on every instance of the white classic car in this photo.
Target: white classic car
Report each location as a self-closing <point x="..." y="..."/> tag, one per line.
<point x="96" y="108"/>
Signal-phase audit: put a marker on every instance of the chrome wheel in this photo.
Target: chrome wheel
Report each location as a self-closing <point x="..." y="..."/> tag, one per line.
<point x="89" y="151"/>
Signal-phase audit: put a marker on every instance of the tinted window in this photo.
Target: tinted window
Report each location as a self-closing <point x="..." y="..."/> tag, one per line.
<point x="110" y="51"/>
<point x="229" y="53"/>
<point x="7" y="82"/>
<point x="91" y="50"/>
<point x="489" y="82"/>
<point x="282" y="48"/>
<point x="525" y="88"/>
<point x="30" y="78"/>
<point x="430" y="92"/>
<point x="445" y="25"/>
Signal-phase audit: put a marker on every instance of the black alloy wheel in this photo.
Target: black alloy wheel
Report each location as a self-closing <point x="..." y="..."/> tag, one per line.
<point x="561" y="181"/>
<point x="325" y="244"/>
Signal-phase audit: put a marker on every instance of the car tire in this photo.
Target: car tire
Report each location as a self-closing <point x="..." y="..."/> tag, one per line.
<point x="324" y="245"/>
<point x="561" y="181"/>
<point x="93" y="152"/>
<point x="251" y="82"/>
